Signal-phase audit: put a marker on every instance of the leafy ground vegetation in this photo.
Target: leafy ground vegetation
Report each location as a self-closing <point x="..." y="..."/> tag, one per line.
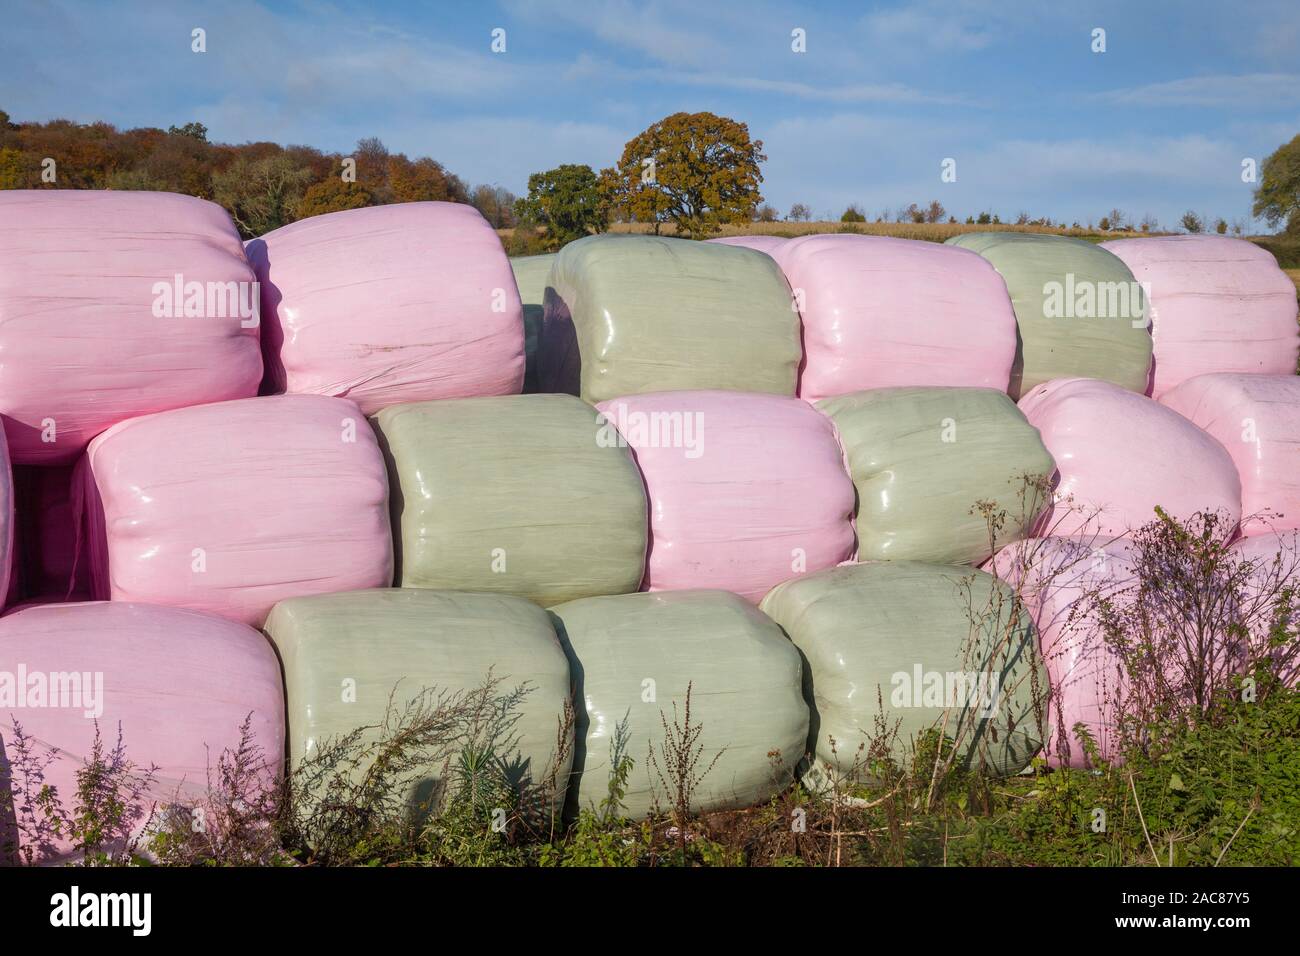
<point x="1202" y="769"/>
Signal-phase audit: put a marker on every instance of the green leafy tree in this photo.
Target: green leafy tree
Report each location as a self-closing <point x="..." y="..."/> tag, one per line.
<point x="853" y="214"/>
<point x="263" y="194"/>
<point x="566" y="200"/>
<point x="695" y="170"/>
<point x="192" y="130"/>
<point x="1192" y="222"/>
<point x="1277" y="197"/>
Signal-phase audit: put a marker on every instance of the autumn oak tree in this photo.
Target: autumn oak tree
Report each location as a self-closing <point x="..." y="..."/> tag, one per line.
<point x="695" y="170"/>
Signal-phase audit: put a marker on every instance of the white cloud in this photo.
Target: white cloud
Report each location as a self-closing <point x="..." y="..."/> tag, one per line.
<point x="1263" y="91"/>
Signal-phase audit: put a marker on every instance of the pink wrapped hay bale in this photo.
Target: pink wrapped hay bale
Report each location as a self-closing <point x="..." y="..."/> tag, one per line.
<point x="1215" y="304"/>
<point x="229" y="508"/>
<point x="178" y="683"/>
<point x="880" y="312"/>
<point x="1062" y="581"/>
<point x="745" y="490"/>
<point x="388" y="304"/>
<point x="1119" y="455"/>
<point x="1257" y="418"/>
<point x="115" y="305"/>
<point x="768" y="244"/>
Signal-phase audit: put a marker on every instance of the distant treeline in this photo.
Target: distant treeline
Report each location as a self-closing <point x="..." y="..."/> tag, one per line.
<point x="262" y="185"/>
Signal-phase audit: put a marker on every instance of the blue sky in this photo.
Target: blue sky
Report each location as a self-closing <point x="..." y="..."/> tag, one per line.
<point x="1011" y="90"/>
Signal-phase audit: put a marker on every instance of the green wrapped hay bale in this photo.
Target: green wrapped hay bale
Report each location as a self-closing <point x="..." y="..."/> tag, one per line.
<point x="925" y="639"/>
<point x="358" y="659"/>
<point x="633" y="658"/>
<point x="627" y="315"/>
<point x="514" y="494"/>
<point x="922" y="459"/>
<point x="530" y="275"/>
<point x="1079" y="311"/>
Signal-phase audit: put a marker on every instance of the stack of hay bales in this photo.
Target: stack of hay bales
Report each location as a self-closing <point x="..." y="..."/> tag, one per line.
<point x="518" y="527"/>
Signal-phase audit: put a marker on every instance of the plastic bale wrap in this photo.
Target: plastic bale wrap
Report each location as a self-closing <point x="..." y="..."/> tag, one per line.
<point x="932" y="643"/>
<point x="493" y="657"/>
<point x="399" y="303"/>
<point x="1257" y="419"/>
<point x="1062" y="582"/>
<point x="767" y="244"/>
<point x="114" y="305"/>
<point x="177" y="683"/>
<point x="1216" y="305"/>
<point x="531" y="273"/>
<point x="635" y="656"/>
<point x="626" y="315"/>
<point x="880" y="312"/>
<point x="1079" y="311"/>
<point x="229" y="508"/>
<point x="1121" y="455"/>
<point x="522" y="495"/>
<point x="744" y="489"/>
<point x="923" y="459"/>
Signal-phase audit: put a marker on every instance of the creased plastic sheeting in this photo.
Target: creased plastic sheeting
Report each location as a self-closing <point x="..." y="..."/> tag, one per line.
<point x="229" y="508"/>
<point x="397" y="644"/>
<point x="1274" y="558"/>
<point x="744" y="489"/>
<point x="531" y="273"/>
<point x="627" y="315"/>
<point x="921" y="638"/>
<point x="767" y="244"/>
<point x="1216" y="305"/>
<point x="178" y="683"/>
<point x="527" y="495"/>
<point x="633" y="659"/>
<point x="400" y="303"/>
<point x="1119" y="455"/>
<point x="1062" y="582"/>
<point x="1257" y="419"/>
<point x="879" y="311"/>
<point x="924" y="458"/>
<point x="1051" y="280"/>
<point x="91" y="328"/>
